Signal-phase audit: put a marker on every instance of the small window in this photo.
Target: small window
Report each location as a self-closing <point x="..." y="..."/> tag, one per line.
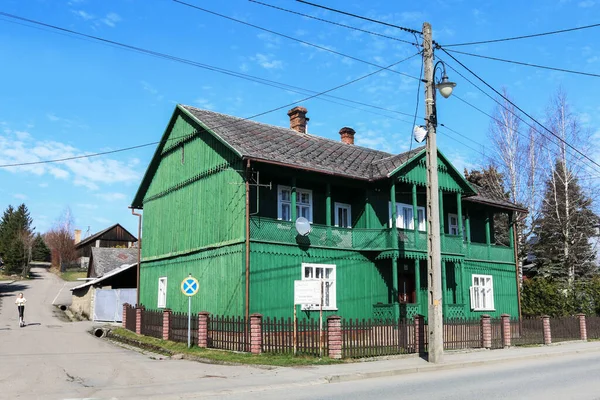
<point x="453" y="224"/>
<point x="405" y="216"/>
<point x="284" y="203"/>
<point x="482" y="293"/>
<point x="325" y="273"/>
<point x="162" y="292"/>
<point x="343" y="215"/>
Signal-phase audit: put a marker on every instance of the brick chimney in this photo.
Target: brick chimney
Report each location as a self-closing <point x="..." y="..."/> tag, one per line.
<point x="347" y="135"/>
<point x="77" y="236"/>
<point x="298" y="119"/>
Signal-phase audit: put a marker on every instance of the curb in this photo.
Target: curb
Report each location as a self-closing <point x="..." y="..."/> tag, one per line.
<point x="338" y="378"/>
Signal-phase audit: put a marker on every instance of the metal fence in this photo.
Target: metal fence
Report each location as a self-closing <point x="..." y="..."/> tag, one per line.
<point x="367" y="338"/>
<point x="178" y="331"/>
<point x="593" y="327"/>
<point x="278" y="336"/>
<point x="229" y="333"/>
<point x="152" y="323"/>
<point x="496" y="325"/>
<point x="564" y="329"/>
<point x="461" y="333"/>
<point x="527" y="331"/>
<point x="130" y="317"/>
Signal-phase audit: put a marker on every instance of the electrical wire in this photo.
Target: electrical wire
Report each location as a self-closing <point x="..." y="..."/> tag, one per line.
<point x="332" y="22"/>
<point x="521" y="110"/>
<point x="361" y="17"/>
<point x="216" y="127"/>
<point x="290" y="37"/>
<point x="526" y="64"/>
<point x="267" y="82"/>
<point x="523" y="36"/>
<point x="416" y="108"/>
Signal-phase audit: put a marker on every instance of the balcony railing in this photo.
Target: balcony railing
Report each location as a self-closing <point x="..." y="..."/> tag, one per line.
<point x="276" y="231"/>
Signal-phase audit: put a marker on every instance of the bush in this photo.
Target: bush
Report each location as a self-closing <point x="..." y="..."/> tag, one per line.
<point x="544" y="296"/>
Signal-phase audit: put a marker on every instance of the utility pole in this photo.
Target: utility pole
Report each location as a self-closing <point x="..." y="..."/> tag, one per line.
<point x="434" y="258"/>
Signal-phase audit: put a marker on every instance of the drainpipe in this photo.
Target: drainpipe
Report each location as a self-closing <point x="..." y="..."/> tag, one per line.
<point x="139" y="255"/>
<point x="247" y="314"/>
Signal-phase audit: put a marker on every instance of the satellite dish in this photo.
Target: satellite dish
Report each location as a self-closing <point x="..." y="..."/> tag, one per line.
<point x="303" y="226"/>
<point x="420" y="133"/>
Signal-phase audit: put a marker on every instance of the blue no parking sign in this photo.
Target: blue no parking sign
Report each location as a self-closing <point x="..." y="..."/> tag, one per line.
<point x="190" y="286"/>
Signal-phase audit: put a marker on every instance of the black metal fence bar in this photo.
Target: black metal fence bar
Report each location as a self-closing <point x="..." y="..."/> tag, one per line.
<point x="130" y="317"/>
<point x="229" y="333"/>
<point x="496" y="325"/>
<point x="593" y="327"/>
<point x="462" y="333"/>
<point x="564" y="329"/>
<point x="178" y="331"/>
<point x="527" y="331"/>
<point x="368" y="338"/>
<point x="152" y="323"/>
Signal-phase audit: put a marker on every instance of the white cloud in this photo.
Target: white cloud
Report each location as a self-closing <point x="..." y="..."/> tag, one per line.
<point x="204" y="103"/>
<point x="83" y="14"/>
<point x="89" y="172"/>
<point x="102" y="220"/>
<point x="111" y="19"/>
<point x="243" y="67"/>
<point x="111" y="196"/>
<point x="43" y="185"/>
<point x="22" y="135"/>
<point x="586" y="3"/>
<point x="267" y="61"/>
<point x="87" y="206"/>
<point x="271" y="41"/>
<point x="20" y="196"/>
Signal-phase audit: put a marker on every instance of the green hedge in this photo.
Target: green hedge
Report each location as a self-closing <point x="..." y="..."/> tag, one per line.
<point x="544" y="296"/>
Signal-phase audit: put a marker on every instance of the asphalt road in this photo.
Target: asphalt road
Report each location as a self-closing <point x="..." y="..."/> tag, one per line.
<point x="52" y="358"/>
<point x="570" y="377"/>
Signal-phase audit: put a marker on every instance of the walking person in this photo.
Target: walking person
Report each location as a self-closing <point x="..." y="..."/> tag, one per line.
<point x="20" y="302"/>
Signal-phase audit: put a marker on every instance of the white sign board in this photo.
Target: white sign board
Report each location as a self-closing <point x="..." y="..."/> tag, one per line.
<point x="307" y="292"/>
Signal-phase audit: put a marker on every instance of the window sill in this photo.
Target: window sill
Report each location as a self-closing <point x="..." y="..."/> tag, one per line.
<point x="484" y="309"/>
<point x="317" y="309"/>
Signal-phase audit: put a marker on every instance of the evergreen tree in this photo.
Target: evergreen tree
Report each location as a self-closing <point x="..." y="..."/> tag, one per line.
<point x="15" y="238"/>
<point x="563" y="249"/>
<point x="490" y="182"/>
<point x="5" y="229"/>
<point x="39" y="250"/>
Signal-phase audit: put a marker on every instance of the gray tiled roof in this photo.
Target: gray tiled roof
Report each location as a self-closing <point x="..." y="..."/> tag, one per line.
<point x="106" y="259"/>
<point x="486" y="196"/>
<point x="300" y="150"/>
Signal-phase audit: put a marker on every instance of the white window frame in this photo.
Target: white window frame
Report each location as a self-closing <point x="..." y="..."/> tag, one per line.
<point x="280" y="202"/>
<point x="162" y="297"/>
<point x="348" y="207"/>
<point x="329" y="286"/>
<point x="400" y="223"/>
<point x="452" y="226"/>
<point x="482" y="296"/>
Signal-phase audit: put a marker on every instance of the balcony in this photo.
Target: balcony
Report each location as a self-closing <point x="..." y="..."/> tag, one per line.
<point x="284" y="232"/>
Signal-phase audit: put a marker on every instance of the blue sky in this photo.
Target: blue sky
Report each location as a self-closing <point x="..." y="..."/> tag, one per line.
<point x="63" y="96"/>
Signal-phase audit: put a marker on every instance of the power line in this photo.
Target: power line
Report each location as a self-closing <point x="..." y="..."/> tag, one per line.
<point x="361" y="17"/>
<point x="526" y="64"/>
<point x="416" y="107"/>
<point x="290" y="37"/>
<point x="333" y="23"/>
<point x="522" y="37"/>
<point x="252" y="78"/>
<point x="521" y="110"/>
<point x="217" y="127"/>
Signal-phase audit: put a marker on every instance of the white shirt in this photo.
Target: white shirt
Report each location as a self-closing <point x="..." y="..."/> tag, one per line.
<point x="20" y="301"/>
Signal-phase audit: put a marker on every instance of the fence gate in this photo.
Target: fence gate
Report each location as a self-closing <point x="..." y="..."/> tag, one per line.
<point x="108" y="303"/>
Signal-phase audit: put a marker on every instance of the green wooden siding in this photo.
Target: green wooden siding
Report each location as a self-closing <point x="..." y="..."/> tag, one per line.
<point x="196" y="198"/>
<point x="448" y="179"/>
<point x="360" y="282"/>
<point x="220" y="273"/>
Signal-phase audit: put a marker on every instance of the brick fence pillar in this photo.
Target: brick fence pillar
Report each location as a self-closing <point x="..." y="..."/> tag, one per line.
<point x="546" y="327"/>
<point x="486" y="331"/>
<point x="125" y="306"/>
<point x="166" y="324"/>
<point x="203" y="318"/>
<point x="138" y="319"/>
<point x="506" y="334"/>
<point x="256" y="333"/>
<point x="334" y="336"/>
<point x="582" y="327"/>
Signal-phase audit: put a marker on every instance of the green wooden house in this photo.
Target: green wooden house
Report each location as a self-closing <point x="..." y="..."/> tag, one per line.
<point x="221" y="195"/>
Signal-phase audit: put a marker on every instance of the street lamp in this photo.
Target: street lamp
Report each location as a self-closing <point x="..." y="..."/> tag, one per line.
<point x="434" y="256"/>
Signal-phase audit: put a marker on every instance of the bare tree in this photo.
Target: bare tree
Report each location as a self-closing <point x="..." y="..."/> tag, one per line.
<point x="60" y="240"/>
